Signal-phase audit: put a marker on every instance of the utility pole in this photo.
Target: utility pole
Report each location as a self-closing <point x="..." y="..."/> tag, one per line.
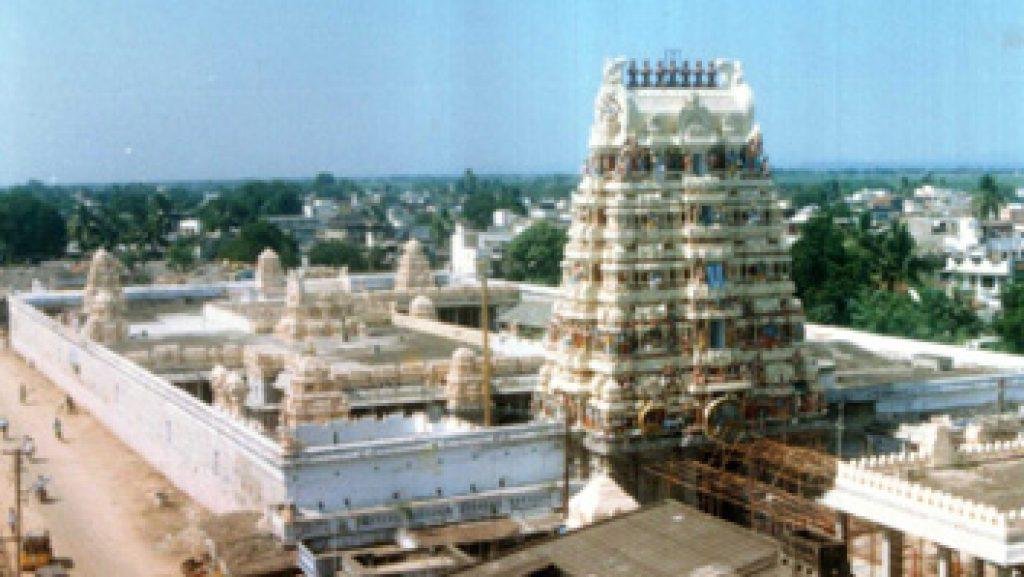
<point x="566" y="459"/>
<point x="17" y="454"/>
<point x="485" y="325"/>
<point x="1001" y="395"/>
<point x="840" y="429"/>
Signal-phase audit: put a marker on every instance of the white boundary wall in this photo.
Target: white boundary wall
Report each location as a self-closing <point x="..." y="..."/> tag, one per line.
<point x="226" y="466"/>
<point x="216" y="460"/>
<point x="900" y="348"/>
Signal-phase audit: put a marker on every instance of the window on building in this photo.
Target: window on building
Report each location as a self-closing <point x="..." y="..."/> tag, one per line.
<point x="708" y="215"/>
<point x="716" y="334"/>
<point x="715" y="275"/>
<point x="700" y="166"/>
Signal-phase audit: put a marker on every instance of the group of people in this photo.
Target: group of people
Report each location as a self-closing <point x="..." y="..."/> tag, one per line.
<point x="66" y="406"/>
<point x="28" y="447"/>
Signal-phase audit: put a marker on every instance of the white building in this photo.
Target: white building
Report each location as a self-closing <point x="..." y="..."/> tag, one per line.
<point x="190" y="227"/>
<point x="469" y="247"/>
<point x="321" y="209"/>
<point x="963" y="497"/>
<point x="982" y="274"/>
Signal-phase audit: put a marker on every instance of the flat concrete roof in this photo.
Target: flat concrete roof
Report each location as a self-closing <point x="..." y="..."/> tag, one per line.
<point x="667" y="539"/>
<point x="997" y="483"/>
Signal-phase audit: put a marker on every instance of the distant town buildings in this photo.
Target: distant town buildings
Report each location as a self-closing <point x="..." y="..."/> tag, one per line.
<point x="469" y="247"/>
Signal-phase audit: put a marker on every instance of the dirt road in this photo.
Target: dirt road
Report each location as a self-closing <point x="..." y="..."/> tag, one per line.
<point x="103" y="514"/>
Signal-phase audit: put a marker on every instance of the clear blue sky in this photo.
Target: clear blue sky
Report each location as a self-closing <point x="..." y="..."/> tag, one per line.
<point x="154" y="90"/>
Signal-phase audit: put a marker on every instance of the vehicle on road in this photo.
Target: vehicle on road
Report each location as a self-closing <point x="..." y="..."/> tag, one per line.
<point x="36" y="551"/>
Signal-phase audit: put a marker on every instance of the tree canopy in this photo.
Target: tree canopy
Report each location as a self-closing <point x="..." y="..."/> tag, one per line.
<point x="536" y="255"/>
<point x="827" y="270"/>
<point x="988" y="199"/>
<point x="181" y="255"/>
<point x="483" y="197"/>
<point x="932" y="316"/>
<point x="30" y="229"/>
<point x="338" y="253"/>
<point x="256" y="236"/>
<point x="874" y="280"/>
<point x="1009" y="324"/>
<point x="251" y="202"/>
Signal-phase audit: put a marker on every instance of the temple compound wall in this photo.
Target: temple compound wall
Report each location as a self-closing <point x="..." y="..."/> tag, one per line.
<point x="337" y="482"/>
<point x="216" y="460"/>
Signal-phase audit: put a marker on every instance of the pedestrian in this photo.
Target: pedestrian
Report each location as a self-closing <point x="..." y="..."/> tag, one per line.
<point x="4" y="426"/>
<point x="28" y="446"/>
<point x="12" y="520"/>
<point x="69" y="405"/>
<point x="57" y="432"/>
<point x="22" y="393"/>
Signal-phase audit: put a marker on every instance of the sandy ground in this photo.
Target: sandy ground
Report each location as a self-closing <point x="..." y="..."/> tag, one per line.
<point x="103" y="514"/>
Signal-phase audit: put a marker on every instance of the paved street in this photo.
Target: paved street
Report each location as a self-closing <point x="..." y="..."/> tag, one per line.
<point x="103" y="514"/>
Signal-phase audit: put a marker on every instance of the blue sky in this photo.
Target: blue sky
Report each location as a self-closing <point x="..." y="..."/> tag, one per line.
<point x="151" y="90"/>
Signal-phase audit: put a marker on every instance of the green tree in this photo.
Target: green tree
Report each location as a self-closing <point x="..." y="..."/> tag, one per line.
<point x="249" y="203"/>
<point x="535" y="255"/>
<point x="324" y="180"/>
<point x="181" y="255"/>
<point x="827" y="270"/>
<point x="30" y="229"/>
<point x="932" y="316"/>
<point x="1009" y="324"/>
<point x="158" y="224"/>
<point x="987" y="199"/>
<point x="893" y="258"/>
<point x="377" y="259"/>
<point x="86" y="228"/>
<point x="441" y="228"/>
<point x="252" y="238"/>
<point x="338" y="253"/>
<point x="482" y="197"/>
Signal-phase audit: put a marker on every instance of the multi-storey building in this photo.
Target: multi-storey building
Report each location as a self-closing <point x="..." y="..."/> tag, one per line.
<point x="677" y="316"/>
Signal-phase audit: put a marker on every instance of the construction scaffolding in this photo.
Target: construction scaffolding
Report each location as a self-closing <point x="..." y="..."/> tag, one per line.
<point x="772" y="487"/>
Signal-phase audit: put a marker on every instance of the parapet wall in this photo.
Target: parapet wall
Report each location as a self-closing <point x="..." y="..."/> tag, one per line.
<point x="879" y="476"/>
<point x="221" y="463"/>
<point x="904" y="349"/>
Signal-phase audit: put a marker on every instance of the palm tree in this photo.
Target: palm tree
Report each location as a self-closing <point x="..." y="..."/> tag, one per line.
<point x="895" y="261"/>
<point x="85" y="228"/>
<point x="987" y="200"/>
<point x="158" y="221"/>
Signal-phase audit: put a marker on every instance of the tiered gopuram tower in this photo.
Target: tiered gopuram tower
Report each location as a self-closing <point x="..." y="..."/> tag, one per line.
<point x="677" y="317"/>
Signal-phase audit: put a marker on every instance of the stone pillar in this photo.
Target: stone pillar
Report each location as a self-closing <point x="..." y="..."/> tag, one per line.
<point x="892" y="553"/>
<point x="943" y="561"/>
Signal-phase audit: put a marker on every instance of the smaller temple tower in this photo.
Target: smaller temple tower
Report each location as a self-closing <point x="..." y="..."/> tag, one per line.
<point x="103" y="300"/>
<point x="270" y="278"/>
<point x="413" y="268"/>
<point x="463" y="387"/>
<point x="308" y="396"/>
<point x="229" y="390"/>
<point x="292" y="325"/>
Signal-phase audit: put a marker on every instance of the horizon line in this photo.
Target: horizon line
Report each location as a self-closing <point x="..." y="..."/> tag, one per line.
<point x="800" y="167"/>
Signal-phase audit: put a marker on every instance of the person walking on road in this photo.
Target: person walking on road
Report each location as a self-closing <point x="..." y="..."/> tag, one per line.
<point x="22" y="393"/>
<point x="57" y="430"/>
<point x="12" y="520"/>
